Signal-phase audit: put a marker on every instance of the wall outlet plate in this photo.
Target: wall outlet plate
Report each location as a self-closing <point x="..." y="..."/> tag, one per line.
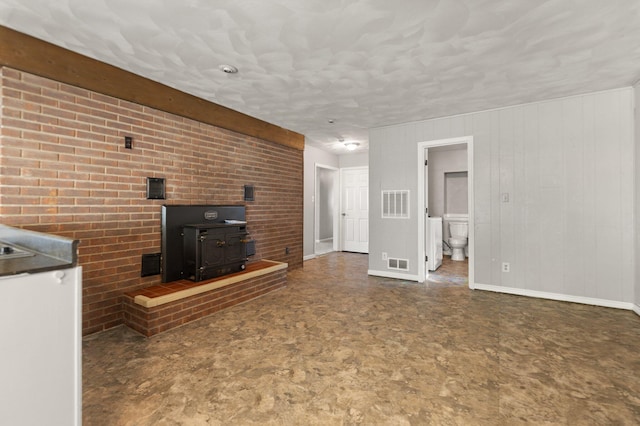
<point x="384" y="256"/>
<point x="506" y="267"/>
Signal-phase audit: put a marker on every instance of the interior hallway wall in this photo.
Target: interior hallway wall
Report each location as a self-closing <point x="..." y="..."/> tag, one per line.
<point x="360" y="159"/>
<point x="327" y="187"/>
<point x="568" y="167"/>
<point x="312" y="156"/>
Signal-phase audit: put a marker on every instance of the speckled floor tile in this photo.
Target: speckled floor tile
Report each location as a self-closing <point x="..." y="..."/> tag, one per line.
<point x="339" y="347"/>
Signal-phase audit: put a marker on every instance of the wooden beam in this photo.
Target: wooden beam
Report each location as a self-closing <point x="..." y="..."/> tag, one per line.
<point x="25" y="53"/>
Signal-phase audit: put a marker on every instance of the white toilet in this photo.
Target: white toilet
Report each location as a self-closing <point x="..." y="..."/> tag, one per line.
<point x="458" y="231"/>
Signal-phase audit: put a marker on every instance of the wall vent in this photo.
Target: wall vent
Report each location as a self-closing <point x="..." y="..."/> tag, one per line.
<point x="150" y="264"/>
<point x="399" y="264"/>
<point x="395" y="204"/>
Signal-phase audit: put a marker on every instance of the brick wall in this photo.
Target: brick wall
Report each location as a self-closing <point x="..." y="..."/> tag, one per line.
<point x="64" y="170"/>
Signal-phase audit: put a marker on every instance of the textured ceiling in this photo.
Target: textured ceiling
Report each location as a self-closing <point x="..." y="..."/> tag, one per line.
<point x="362" y="63"/>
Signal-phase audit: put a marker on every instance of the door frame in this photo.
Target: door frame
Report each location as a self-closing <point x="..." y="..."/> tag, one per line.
<point x="336" y="205"/>
<point x="422" y="203"/>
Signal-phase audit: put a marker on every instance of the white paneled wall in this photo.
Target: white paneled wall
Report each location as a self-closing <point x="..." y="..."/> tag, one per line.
<point x="637" y="211"/>
<point x="568" y="167"/>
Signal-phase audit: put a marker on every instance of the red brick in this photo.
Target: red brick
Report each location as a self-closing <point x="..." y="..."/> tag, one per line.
<point x="100" y="185"/>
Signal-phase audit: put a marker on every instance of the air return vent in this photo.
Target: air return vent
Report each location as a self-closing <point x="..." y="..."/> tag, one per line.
<point x="150" y="264"/>
<point x="395" y="204"/>
<point x="399" y="264"/>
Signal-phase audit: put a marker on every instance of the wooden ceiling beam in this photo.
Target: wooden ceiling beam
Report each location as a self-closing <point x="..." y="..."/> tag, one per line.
<point x="29" y="54"/>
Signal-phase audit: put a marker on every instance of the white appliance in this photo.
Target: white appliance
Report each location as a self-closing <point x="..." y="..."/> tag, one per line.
<point x="434" y="246"/>
<point x="40" y="348"/>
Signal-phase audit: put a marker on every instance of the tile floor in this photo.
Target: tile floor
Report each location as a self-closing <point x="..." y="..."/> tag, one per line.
<point x="450" y="273"/>
<point x="323" y="247"/>
<point x="340" y="347"/>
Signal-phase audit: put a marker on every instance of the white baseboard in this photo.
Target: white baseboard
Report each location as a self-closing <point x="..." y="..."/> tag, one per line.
<point x="636" y="309"/>
<point x="558" y="296"/>
<point x="395" y="275"/>
<point x="309" y="257"/>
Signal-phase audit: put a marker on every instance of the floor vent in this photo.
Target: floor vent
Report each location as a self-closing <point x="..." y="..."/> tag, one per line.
<point x="400" y="264"/>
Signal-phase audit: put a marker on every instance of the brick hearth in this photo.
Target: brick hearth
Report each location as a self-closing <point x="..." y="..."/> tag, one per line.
<point x="161" y="307"/>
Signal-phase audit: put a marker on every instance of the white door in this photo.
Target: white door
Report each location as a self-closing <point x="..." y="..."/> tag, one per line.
<point x="355" y="209"/>
<point x="434" y="250"/>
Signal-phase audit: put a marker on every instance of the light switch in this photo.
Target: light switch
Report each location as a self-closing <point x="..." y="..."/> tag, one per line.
<point x="504" y="197"/>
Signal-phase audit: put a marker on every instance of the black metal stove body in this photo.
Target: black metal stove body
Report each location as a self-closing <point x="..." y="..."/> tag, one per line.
<point x="213" y="250"/>
<point x="203" y="241"/>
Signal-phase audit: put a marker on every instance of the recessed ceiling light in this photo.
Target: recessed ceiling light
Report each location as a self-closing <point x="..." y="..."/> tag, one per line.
<point x="229" y="69"/>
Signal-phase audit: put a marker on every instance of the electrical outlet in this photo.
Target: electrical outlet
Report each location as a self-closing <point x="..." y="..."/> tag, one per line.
<point x="506" y="267"/>
<point x="384" y="255"/>
<point x="287" y="251"/>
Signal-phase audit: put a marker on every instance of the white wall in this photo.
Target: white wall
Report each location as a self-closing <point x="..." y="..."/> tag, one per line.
<point x="312" y="156"/>
<point x="441" y="162"/>
<point x="360" y="159"/>
<point x="569" y="169"/>
<point x="637" y="211"/>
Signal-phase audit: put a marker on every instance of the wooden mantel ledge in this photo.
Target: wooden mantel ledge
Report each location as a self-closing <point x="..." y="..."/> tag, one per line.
<point x="161" y="294"/>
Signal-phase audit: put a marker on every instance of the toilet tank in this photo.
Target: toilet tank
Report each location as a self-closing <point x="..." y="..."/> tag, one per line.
<point x="459" y="229"/>
<point x="452" y="217"/>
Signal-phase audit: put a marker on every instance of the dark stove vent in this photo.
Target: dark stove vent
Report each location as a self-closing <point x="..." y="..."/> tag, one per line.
<point x="251" y="248"/>
<point x="150" y="264"/>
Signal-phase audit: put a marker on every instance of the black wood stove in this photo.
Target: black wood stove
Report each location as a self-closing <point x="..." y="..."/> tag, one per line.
<point x="212" y="250"/>
<point x="200" y="242"/>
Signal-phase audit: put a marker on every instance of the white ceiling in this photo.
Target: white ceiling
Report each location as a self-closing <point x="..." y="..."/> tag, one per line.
<point x="362" y="63"/>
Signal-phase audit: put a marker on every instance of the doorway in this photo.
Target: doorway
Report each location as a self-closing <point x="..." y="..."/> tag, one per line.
<point x="424" y="209"/>
<point x="326" y="210"/>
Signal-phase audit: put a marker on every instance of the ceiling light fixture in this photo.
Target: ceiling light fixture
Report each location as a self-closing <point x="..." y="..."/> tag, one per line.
<point x="229" y="69"/>
<point x="351" y="145"/>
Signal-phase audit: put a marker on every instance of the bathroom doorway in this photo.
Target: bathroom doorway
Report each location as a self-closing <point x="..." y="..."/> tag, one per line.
<point x="326" y="210"/>
<point x="447" y="180"/>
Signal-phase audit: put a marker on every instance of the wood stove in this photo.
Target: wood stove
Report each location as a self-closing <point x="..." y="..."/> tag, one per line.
<point x="200" y="242"/>
<point x="212" y="250"/>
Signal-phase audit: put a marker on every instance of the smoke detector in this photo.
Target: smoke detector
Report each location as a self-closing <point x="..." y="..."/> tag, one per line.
<point x="228" y="69"/>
